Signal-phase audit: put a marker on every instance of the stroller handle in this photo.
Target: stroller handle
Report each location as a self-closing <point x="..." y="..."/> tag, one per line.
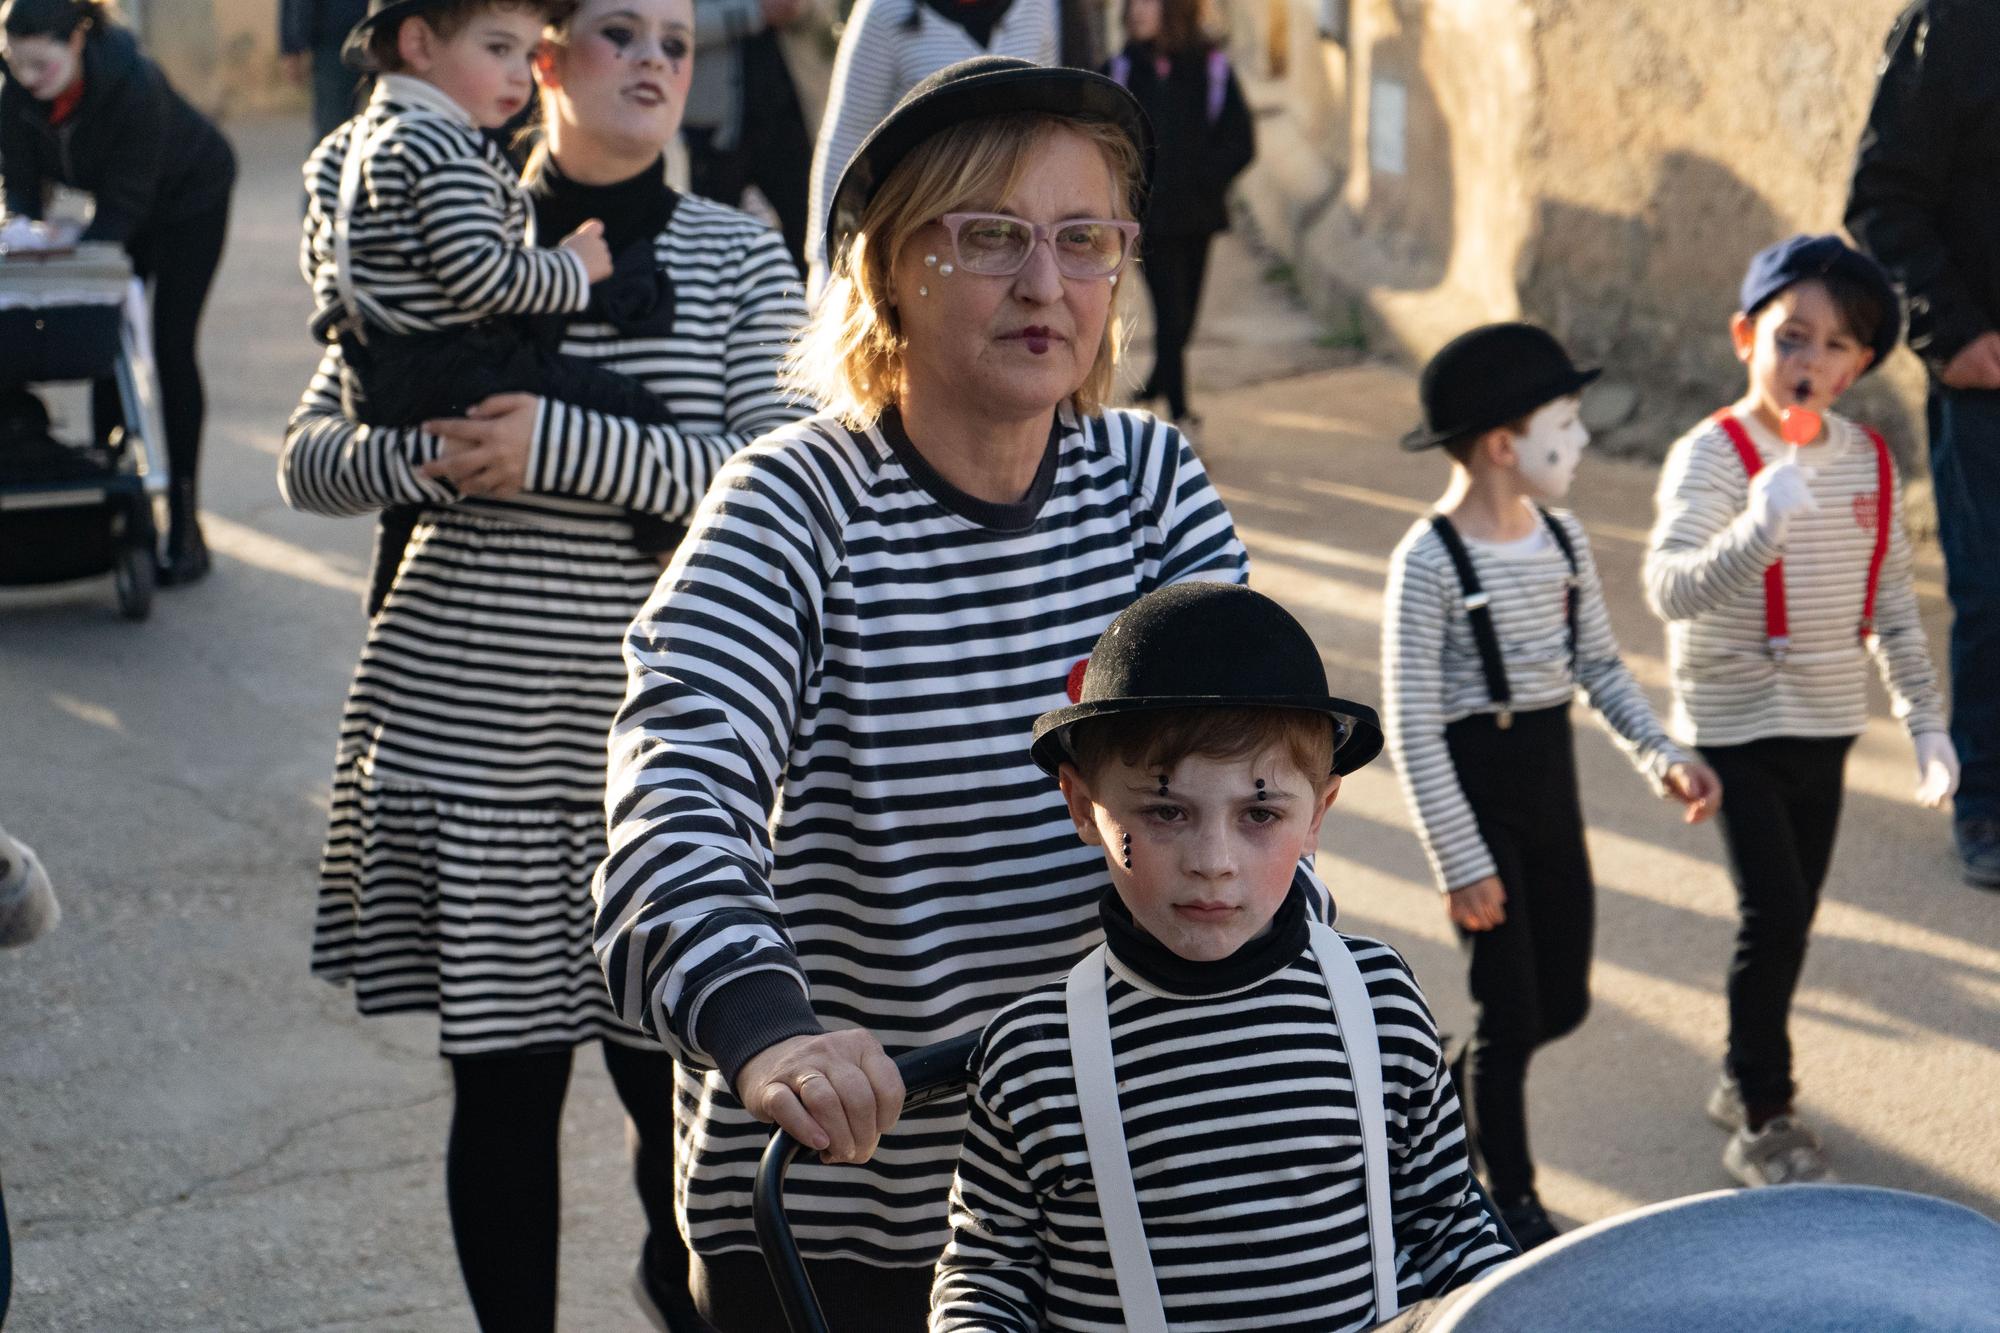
<point x="929" y="1073"/>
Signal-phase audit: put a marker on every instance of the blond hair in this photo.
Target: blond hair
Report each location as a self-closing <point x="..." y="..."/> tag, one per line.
<point x="849" y="358"/>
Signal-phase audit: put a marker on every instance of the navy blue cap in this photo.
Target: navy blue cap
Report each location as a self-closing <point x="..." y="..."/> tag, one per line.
<point x="1797" y="258"/>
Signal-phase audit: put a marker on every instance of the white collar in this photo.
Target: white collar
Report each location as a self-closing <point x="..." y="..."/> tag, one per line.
<point x="411" y="91"/>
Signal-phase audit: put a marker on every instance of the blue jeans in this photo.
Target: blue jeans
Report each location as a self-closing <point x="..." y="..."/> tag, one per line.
<point x="1965" y="470"/>
<point x="337" y="91"/>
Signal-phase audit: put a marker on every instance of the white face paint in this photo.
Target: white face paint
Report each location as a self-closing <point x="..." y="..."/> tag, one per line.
<point x="45" y="66"/>
<point x="1551" y="447"/>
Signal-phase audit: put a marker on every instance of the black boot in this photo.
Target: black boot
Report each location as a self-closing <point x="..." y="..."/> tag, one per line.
<point x="187" y="553"/>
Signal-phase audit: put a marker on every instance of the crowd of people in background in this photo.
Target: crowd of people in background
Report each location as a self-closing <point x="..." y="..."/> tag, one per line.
<point x="876" y="439"/>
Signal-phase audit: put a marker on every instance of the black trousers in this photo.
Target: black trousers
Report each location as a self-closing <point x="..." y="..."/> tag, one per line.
<point x="503" y="1185"/>
<point x="405" y="379"/>
<point x="1530" y="975"/>
<point x="1174" y="267"/>
<point x="1780" y="814"/>
<point x="178" y="262"/>
<point x="733" y="1292"/>
<point x="773" y="148"/>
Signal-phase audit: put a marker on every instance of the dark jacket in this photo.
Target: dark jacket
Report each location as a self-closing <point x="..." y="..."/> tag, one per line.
<point x="1195" y="155"/>
<point x="1926" y="194"/>
<point x="306" y="25"/>
<point x="146" y="156"/>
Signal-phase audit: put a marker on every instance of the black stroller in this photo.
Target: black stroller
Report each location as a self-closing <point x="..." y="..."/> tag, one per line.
<point x="67" y="510"/>
<point x="929" y="1074"/>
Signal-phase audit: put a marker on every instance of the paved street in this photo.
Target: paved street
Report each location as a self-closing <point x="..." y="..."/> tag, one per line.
<point x="197" y="1135"/>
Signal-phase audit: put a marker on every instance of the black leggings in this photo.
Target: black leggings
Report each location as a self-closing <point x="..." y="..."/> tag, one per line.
<point x="1530" y="975"/>
<point x="1174" y="268"/>
<point x="1780" y="813"/>
<point x="180" y="261"/>
<point x="502" y="1183"/>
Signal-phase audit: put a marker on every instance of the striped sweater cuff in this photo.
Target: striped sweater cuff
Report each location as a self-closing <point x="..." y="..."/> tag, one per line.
<point x="752" y="1013"/>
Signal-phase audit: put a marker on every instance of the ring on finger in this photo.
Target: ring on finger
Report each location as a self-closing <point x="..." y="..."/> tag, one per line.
<point x="799" y="1083"/>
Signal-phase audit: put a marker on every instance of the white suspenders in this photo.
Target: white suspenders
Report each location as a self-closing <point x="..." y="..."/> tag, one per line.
<point x="1104" y="1133"/>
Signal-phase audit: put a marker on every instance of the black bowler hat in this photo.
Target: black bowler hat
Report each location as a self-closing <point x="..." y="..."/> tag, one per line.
<point x="1798" y="258"/>
<point x="1207" y="645"/>
<point x="1489" y="376"/>
<point x="972" y="90"/>
<point x="354" y="51"/>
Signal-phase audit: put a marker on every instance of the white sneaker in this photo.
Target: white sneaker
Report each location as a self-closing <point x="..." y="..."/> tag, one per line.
<point x="1725" y="1103"/>
<point x="1783" y="1152"/>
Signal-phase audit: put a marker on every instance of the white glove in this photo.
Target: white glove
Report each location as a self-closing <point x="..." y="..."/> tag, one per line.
<point x="1937" y="769"/>
<point x="1778" y="493"/>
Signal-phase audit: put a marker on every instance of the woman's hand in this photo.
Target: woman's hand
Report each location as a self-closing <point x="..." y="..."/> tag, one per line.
<point x="836" y="1092"/>
<point x="1480" y="905"/>
<point x="1697" y="787"/>
<point x="486" y="450"/>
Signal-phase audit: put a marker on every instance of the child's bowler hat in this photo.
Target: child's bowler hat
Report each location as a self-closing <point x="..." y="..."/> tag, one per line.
<point x="354" y="51"/>
<point x="1489" y="376"/>
<point x="1798" y="259"/>
<point x="1207" y="645"/>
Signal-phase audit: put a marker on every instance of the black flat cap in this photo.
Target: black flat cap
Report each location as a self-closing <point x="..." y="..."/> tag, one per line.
<point x="1207" y="645"/>
<point x="972" y="90"/>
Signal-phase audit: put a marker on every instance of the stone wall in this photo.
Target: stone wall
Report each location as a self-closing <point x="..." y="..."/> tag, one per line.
<point x="221" y="54"/>
<point x="1605" y="167"/>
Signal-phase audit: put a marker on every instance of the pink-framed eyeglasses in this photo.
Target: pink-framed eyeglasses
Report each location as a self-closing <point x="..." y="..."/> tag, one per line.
<point x="995" y="245"/>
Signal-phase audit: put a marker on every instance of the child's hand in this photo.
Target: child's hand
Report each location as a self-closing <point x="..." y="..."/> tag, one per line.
<point x="1697" y="787"/>
<point x="1480" y="905"/>
<point x="1937" y="769"/>
<point x="1777" y="494"/>
<point x="587" y="243"/>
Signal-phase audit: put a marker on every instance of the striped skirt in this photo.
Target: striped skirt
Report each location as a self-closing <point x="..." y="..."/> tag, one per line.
<point x="467" y="814"/>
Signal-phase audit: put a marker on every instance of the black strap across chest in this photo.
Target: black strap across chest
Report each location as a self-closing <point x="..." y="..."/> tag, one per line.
<point x="1479" y="614"/>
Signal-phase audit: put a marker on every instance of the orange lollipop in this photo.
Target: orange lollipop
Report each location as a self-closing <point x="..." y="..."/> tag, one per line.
<point x="1799" y="425"/>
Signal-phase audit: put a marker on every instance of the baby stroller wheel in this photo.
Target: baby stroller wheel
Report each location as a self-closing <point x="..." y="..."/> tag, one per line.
<point x="134" y="576"/>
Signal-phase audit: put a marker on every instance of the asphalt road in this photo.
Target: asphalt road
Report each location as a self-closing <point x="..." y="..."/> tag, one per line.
<point x="197" y="1135"/>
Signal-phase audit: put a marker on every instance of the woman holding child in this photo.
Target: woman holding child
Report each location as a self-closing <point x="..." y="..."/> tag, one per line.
<point x="828" y="837"/>
<point x="469" y="777"/>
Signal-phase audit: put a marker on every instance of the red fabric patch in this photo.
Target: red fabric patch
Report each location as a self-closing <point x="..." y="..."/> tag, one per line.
<point x="66" y="101"/>
<point x="1867" y="510"/>
<point x="1074" y="686"/>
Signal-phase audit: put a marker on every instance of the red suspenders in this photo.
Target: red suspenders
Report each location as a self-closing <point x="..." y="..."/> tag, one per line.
<point x="1777" y="628"/>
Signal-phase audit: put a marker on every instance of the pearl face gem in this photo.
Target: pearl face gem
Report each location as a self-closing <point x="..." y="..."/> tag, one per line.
<point x="930" y="261"/>
<point x="946" y="270"/>
<point x="923" y="291"/>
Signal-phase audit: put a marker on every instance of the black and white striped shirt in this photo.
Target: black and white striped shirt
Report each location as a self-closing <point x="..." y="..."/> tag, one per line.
<point x="887" y="48"/>
<point x="1705" y="568"/>
<point x="492" y="675"/>
<point x="439" y="234"/>
<point x="1245" y="1146"/>
<point x="1431" y="674"/>
<point x="820" y="782"/>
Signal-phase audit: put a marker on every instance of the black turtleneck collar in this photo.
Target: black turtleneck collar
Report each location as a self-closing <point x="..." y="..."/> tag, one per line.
<point x="1017" y="516"/>
<point x="1160" y="967"/>
<point x="632" y="210"/>
<point x="978" y="17"/>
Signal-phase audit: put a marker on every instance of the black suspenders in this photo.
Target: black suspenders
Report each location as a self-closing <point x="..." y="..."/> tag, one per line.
<point x="1479" y="615"/>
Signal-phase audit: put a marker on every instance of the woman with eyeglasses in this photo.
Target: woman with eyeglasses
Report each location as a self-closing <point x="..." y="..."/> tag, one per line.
<point x="828" y="841"/>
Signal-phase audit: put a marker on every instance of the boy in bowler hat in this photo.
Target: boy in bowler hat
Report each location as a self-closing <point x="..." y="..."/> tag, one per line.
<point x="1494" y="619"/>
<point x="1225" y="1076"/>
<point x="1779" y="562"/>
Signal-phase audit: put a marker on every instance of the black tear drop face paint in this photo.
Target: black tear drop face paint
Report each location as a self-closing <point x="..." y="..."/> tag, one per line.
<point x="623" y="30"/>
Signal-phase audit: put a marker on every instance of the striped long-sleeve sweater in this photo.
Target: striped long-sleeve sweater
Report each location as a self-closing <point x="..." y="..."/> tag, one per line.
<point x="1241" y="1125"/>
<point x="439" y="231"/>
<point x="1705" y="570"/>
<point x="887" y="48"/>
<point x="1431" y="675"/>
<point x="820" y="781"/>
